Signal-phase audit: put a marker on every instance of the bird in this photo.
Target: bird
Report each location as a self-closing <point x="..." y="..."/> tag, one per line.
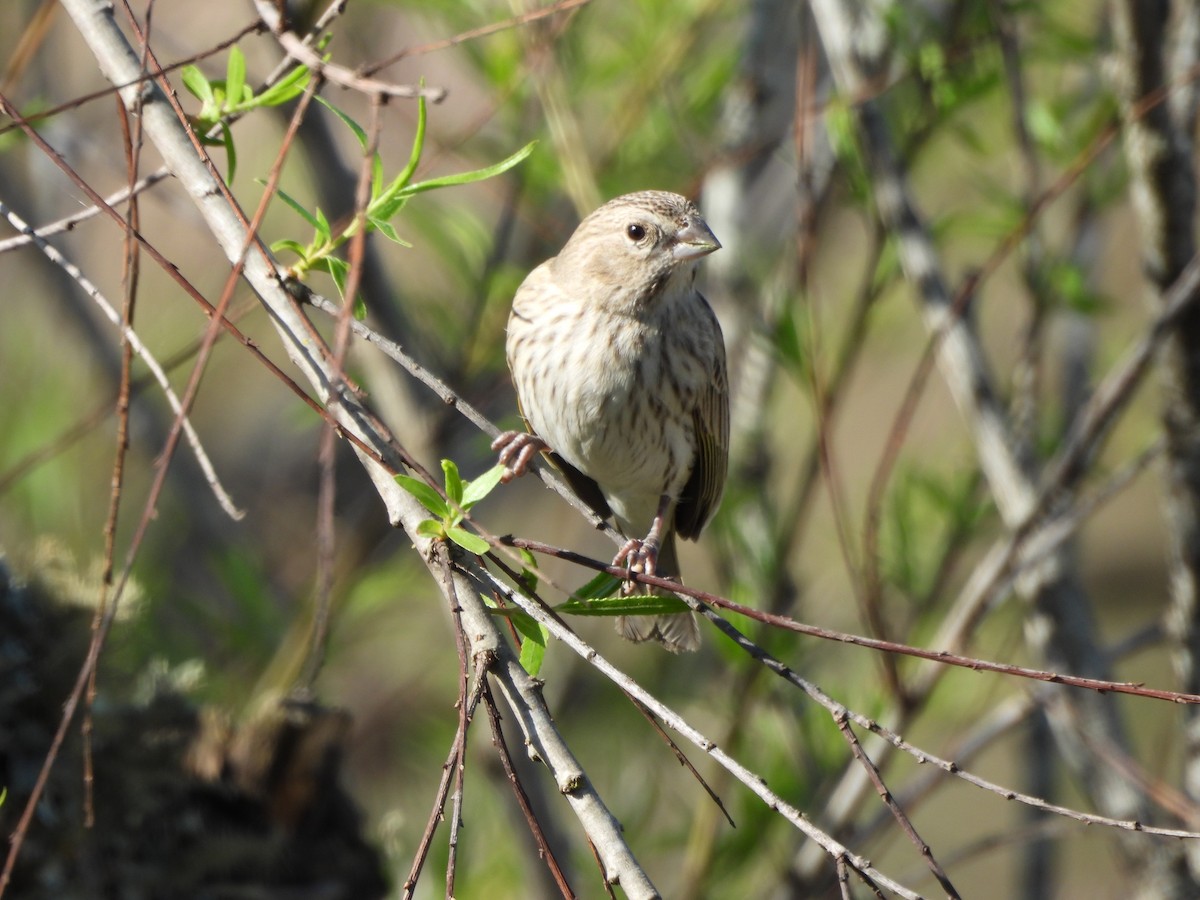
<point x="619" y="367"/>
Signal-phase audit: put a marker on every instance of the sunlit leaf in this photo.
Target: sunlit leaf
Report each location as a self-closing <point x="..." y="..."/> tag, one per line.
<point x="454" y="484"/>
<point x="482" y="486"/>
<point x="359" y="133"/>
<point x="235" y="77"/>
<point x="230" y="149"/>
<point x="427" y="496"/>
<point x="297" y="206"/>
<point x="289" y="87"/>
<point x="431" y="528"/>
<point x="197" y="84"/>
<point x="638" y="604"/>
<point x="468" y="541"/>
<point x="470" y="177"/>
<point x="533" y="644"/>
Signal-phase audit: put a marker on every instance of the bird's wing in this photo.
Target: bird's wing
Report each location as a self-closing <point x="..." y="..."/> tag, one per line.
<point x="585" y="488"/>
<point x="702" y="493"/>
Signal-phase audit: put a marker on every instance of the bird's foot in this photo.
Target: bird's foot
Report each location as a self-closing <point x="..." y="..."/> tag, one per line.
<point x="640" y="556"/>
<point x="517" y="450"/>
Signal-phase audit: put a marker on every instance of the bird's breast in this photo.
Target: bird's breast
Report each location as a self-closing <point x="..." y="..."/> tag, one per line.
<point x="601" y="391"/>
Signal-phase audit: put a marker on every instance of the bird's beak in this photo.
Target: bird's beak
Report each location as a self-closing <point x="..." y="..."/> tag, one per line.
<point x="693" y="241"/>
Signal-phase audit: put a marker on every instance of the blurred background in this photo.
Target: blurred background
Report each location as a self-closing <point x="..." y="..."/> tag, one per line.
<point x="989" y="106"/>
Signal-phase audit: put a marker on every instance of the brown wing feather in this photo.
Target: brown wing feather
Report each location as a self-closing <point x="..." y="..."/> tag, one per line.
<point x="702" y="493"/>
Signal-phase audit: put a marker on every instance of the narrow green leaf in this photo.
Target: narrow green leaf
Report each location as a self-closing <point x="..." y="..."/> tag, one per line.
<point x="637" y="605"/>
<point x="469" y="177"/>
<point x="376" y="176"/>
<point x="385" y="228"/>
<point x="230" y="150"/>
<point x="386" y="207"/>
<point x="289" y="87"/>
<point x="528" y="576"/>
<point x="414" y="156"/>
<point x="428" y="497"/>
<point x="350" y="123"/>
<point x="454" y="484"/>
<point x="324" y="230"/>
<point x="235" y="78"/>
<point x="482" y="486"/>
<point x="384" y="203"/>
<point x="197" y="84"/>
<point x="360" y="308"/>
<point x="297" y="206"/>
<point x="472" y="543"/>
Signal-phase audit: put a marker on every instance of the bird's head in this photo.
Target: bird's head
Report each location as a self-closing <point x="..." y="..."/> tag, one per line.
<point x="635" y="251"/>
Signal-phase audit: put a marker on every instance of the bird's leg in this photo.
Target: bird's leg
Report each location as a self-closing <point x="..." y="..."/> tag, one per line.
<point x="517" y="450"/>
<point x="642" y="555"/>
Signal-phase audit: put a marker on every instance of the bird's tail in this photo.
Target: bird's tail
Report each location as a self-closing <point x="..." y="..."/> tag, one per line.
<point x="677" y="632"/>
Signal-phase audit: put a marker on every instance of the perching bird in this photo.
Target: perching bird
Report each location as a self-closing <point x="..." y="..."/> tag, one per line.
<point x="619" y="366"/>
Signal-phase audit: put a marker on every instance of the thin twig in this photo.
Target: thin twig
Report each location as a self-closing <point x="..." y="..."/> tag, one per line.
<point x="68" y="223"/>
<point x="893" y="807"/>
<point x="535" y="828"/>
<point x="474" y="33"/>
<point x="143" y="352"/>
<point x="299" y="50"/>
<point x="785" y="622"/>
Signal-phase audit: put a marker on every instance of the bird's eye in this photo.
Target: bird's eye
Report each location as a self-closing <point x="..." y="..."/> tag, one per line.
<point x="635" y="232"/>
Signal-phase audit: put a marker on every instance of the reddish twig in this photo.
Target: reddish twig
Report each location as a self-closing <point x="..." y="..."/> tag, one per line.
<point x="828" y="634"/>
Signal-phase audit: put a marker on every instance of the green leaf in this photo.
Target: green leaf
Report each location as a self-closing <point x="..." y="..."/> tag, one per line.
<point x="376" y="176"/>
<point x="385" y="228"/>
<point x="324" y="230"/>
<point x="337" y="269"/>
<point x="414" y="156"/>
<point x="230" y="150"/>
<point x="197" y="84"/>
<point x="431" y="528"/>
<point x="386" y="207"/>
<point x="636" y="605"/>
<point x="297" y="207"/>
<point x="360" y="308"/>
<point x="534" y="635"/>
<point x="427" y="496"/>
<point x="482" y="486"/>
<point x="359" y="133"/>
<point x="468" y="541"/>
<point x="603" y="585"/>
<point x="454" y="484"/>
<point x="528" y="577"/>
<point x="235" y="78"/>
<point x="289" y="87"/>
<point x="470" y="177"/>
<point x="286" y="244"/>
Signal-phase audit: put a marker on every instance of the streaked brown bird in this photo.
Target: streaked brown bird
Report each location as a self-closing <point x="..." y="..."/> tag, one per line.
<point x="619" y="366"/>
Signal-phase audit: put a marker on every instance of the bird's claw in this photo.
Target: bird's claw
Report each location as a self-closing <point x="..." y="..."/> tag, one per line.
<point x="641" y="556"/>
<point x="517" y="450"/>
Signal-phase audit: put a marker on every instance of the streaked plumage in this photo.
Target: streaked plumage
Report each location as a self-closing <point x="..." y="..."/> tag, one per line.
<point x="619" y="366"/>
